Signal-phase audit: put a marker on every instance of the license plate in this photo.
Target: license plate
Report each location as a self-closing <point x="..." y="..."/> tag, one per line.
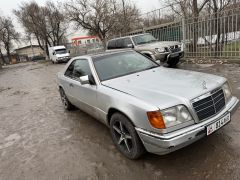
<point x="174" y="55"/>
<point x="218" y="124"/>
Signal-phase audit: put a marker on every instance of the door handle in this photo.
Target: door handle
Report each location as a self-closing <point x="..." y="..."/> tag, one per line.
<point x="71" y="85"/>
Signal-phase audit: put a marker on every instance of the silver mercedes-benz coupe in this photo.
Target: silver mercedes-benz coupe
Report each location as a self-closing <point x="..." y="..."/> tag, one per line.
<point x="146" y="106"/>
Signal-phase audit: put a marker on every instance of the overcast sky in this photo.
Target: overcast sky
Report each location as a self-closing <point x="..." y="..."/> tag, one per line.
<point x="6" y="7"/>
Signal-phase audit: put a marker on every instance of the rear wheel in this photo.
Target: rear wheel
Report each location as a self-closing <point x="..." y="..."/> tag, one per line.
<point x="125" y="137"/>
<point x="66" y="103"/>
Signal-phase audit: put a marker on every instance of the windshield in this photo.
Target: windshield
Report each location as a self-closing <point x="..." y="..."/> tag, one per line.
<point x="120" y="64"/>
<point x="61" y="51"/>
<point x="144" y="39"/>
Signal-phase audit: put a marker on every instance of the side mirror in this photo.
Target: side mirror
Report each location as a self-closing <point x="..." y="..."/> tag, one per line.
<point x="53" y="53"/>
<point x="84" y="80"/>
<point x="69" y="51"/>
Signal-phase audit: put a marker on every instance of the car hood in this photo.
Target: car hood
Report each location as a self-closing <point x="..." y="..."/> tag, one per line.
<point x="164" y="87"/>
<point x="157" y="44"/>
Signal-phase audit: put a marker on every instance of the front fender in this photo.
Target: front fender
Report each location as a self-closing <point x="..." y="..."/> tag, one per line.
<point x="134" y="108"/>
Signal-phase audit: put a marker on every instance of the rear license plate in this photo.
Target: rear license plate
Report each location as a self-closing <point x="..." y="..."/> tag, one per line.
<point x="174" y="55"/>
<point x="218" y="124"/>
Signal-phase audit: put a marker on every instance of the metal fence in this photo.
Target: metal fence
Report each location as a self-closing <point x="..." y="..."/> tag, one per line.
<point x="215" y="35"/>
<point x="91" y="48"/>
<point x="211" y="35"/>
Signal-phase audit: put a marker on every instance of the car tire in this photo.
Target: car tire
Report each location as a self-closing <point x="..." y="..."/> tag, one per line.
<point x="66" y="103"/>
<point x="125" y="137"/>
<point x="173" y="63"/>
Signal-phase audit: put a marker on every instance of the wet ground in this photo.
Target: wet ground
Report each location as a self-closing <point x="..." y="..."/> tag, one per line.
<point x="39" y="140"/>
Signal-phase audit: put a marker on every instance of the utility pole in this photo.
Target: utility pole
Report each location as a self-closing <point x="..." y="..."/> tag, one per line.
<point x="30" y="39"/>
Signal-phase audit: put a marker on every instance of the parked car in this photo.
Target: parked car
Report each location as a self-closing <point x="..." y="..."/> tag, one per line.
<point x="145" y="105"/>
<point x="168" y="52"/>
<point x="58" y="54"/>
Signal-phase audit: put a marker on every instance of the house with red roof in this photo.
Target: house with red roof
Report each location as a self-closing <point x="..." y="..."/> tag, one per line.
<point x="84" y="40"/>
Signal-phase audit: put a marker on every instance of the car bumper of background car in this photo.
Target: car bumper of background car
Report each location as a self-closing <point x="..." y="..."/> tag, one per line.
<point x="63" y="60"/>
<point x="167" y="57"/>
<point x="166" y="143"/>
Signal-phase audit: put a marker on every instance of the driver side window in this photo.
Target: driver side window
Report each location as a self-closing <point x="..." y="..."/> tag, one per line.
<point x="78" y="68"/>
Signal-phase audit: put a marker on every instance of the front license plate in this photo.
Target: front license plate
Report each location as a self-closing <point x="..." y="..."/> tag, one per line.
<point x="218" y="124"/>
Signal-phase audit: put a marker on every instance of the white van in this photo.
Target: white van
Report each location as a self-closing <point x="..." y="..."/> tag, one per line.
<point x="58" y="54"/>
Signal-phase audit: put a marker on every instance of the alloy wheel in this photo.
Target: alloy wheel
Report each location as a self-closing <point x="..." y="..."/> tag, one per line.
<point x="124" y="139"/>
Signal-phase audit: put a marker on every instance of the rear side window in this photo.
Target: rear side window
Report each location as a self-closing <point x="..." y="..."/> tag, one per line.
<point x="111" y="44"/>
<point x="119" y="43"/>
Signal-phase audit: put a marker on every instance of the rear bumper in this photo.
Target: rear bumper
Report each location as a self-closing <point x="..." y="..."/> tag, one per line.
<point x="165" y="143"/>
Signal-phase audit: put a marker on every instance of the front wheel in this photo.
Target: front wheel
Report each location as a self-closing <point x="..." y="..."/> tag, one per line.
<point x="125" y="137"/>
<point x="66" y="103"/>
<point x="173" y="63"/>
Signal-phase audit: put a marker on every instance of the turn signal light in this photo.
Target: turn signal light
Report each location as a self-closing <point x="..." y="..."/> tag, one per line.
<point x="156" y="119"/>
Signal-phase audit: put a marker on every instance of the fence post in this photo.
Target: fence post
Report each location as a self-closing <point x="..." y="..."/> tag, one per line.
<point x="184" y="32"/>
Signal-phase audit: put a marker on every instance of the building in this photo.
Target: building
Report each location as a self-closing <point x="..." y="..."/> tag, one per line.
<point x="83" y="40"/>
<point x="26" y="53"/>
<point x="14" y="58"/>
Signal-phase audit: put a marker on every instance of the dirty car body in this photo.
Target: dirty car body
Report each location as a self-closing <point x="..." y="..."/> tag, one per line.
<point x="168" y="108"/>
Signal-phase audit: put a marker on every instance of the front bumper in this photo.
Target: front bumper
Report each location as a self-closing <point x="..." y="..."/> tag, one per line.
<point x="63" y="59"/>
<point x="168" y="57"/>
<point x="165" y="143"/>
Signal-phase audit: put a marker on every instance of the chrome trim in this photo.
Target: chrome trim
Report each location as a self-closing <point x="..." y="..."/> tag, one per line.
<point x="206" y="95"/>
<point x="195" y="127"/>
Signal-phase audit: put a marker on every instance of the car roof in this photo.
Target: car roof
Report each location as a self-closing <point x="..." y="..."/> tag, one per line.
<point x="104" y="53"/>
<point x="128" y="36"/>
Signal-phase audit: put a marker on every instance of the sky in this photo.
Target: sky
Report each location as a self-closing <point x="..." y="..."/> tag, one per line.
<point x="6" y="7"/>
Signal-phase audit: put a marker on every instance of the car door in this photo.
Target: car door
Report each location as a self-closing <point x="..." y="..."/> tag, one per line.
<point x="127" y="43"/>
<point x="84" y="96"/>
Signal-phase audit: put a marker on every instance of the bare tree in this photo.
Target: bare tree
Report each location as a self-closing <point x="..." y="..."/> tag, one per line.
<point x="56" y="23"/>
<point x="8" y="34"/>
<point x="189" y="10"/>
<point x="46" y="23"/>
<point x="102" y="17"/>
<point x="96" y="16"/>
<point x="127" y="18"/>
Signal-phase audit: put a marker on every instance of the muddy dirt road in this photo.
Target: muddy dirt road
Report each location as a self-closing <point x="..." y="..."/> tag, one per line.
<point x="39" y="140"/>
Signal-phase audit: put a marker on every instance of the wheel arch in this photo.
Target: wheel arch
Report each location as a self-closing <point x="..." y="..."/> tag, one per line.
<point x="112" y="111"/>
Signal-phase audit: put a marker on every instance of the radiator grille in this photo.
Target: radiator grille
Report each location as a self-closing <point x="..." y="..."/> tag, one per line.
<point x="209" y="106"/>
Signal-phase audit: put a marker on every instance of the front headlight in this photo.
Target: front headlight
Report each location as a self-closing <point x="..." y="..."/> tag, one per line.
<point x="176" y="115"/>
<point x="160" y="50"/>
<point x="227" y="91"/>
<point x="169" y="117"/>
